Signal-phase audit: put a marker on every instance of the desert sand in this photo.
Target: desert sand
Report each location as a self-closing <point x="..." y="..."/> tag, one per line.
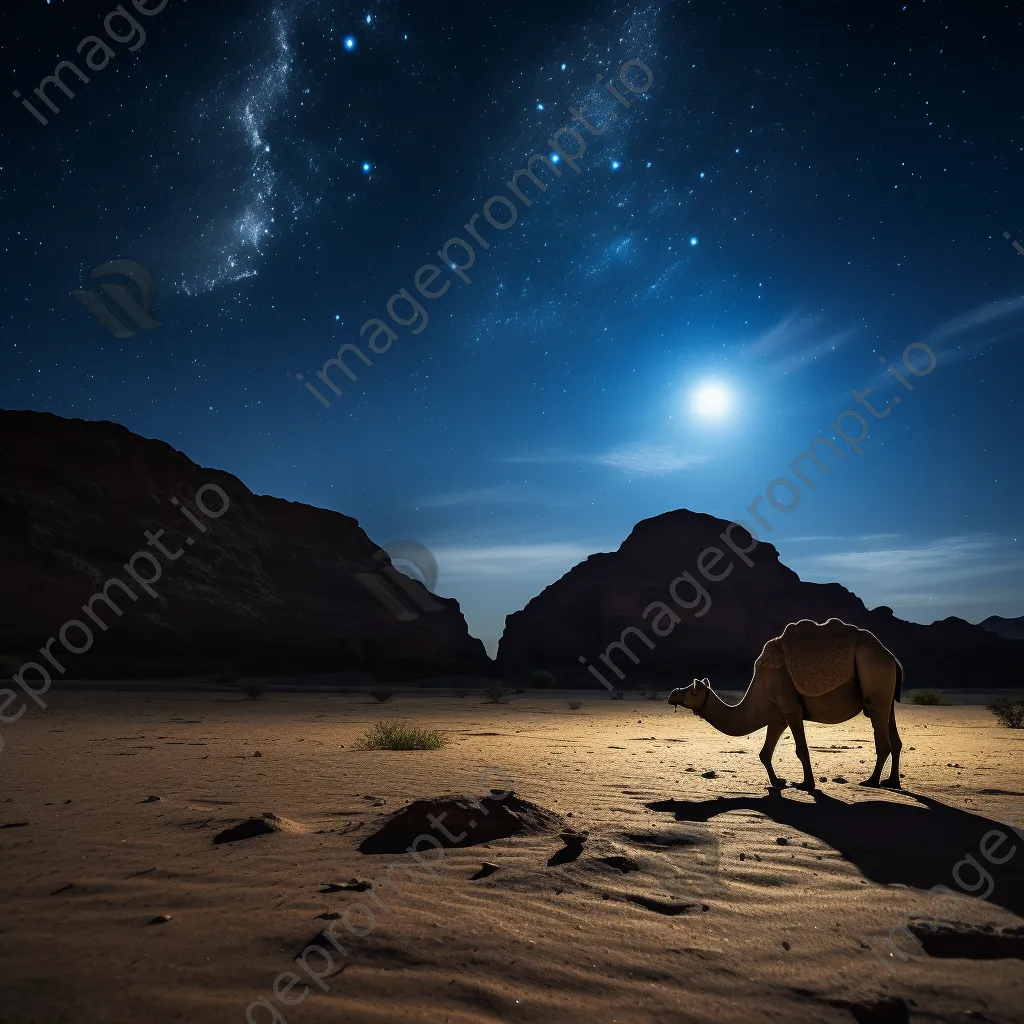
<point x="693" y="898"/>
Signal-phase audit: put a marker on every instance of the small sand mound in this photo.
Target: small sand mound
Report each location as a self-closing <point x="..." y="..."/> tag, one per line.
<point x="263" y="825"/>
<point x="459" y="821"/>
<point x="971" y="942"/>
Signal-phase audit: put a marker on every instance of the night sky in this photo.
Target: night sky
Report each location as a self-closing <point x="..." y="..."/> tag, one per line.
<point x="803" y="190"/>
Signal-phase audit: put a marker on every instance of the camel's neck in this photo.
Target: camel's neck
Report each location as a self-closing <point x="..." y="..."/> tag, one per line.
<point x="734" y="719"/>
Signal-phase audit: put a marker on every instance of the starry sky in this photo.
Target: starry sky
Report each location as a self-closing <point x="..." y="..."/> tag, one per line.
<point x="803" y="190"/>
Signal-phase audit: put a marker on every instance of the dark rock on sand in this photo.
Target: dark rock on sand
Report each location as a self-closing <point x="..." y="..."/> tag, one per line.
<point x="263" y="825"/>
<point x="973" y="942"/>
<point x="458" y="821"/>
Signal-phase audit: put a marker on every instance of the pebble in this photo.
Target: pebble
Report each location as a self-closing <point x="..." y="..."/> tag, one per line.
<point x="161" y="919"/>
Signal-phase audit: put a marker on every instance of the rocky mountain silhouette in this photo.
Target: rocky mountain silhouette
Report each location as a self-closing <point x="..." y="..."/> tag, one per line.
<point x="596" y="603"/>
<point x="267" y="585"/>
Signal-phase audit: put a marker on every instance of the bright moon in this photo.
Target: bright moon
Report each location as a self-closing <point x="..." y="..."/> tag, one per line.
<point x="712" y="401"/>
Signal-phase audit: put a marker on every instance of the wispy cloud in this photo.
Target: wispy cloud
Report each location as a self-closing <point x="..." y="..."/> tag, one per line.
<point x="809" y="354"/>
<point x="649" y="460"/>
<point x="928" y="580"/>
<point x="549" y="560"/>
<point x="777" y="349"/>
<point x="978" y="317"/>
<point x="633" y="459"/>
<point x="499" y="494"/>
<point x="951" y="340"/>
<point x="794" y="325"/>
<point x="943" y="554"/>
<point x="845" y="540"/>
<point x="540" y="458"/>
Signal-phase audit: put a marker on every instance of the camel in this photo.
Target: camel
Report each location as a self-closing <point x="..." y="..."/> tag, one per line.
<point x="822" y="672"/>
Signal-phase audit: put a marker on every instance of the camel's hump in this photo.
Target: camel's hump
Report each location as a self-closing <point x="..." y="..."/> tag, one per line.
<point x="818" y="655"/>
<point x="808" y="629"/>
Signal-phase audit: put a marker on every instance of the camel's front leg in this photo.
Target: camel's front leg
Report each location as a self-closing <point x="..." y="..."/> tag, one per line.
<point x="796" y="725"/>
<point x="775" y="730"/>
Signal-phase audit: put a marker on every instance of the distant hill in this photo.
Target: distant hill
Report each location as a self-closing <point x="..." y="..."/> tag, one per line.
<point x="1013" y="629"/>
<point x="267" y="585"/>
<point x="589" y="608"/>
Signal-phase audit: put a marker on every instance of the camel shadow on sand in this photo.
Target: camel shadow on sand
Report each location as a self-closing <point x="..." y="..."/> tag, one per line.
<point x="891" y="841"/>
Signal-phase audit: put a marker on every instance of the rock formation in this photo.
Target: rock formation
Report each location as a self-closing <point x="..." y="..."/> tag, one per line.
<point x="267" y="585"/>
<point x="1012" y="629"/>
<point x="589" y="608"/>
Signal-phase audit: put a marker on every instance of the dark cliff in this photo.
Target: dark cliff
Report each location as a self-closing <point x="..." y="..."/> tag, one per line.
<point x="589" y="607"/>
<point x="268" y="586"/>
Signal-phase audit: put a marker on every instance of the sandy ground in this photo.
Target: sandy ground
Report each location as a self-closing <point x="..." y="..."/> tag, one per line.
<point x="713" y="919"/>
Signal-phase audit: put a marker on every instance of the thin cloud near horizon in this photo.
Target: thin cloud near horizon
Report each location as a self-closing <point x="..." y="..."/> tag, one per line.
<point x="636" y="459"/>
<point x="907" y="577"/>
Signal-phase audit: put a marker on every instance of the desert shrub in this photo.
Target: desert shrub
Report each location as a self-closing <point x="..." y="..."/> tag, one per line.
<point x="575" y="704"/>
<point x="253" y="689"/>
<point x="228" y="673"/>
<point x="496" y="695"/>
<point x="653" y="695"/>
<point x="541" y="679"/>
<point x="381" y="695"/>
<point x="519" y="689"/>
<point x="401" y="736"/>
<point x="462" y="693"/>
<point x="927" y="697"/>
<point x="1008" y="712"/>
<point x="618" y="695"/>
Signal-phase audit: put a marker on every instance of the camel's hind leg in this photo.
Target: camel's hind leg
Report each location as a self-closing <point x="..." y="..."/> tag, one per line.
<point x="896" y="745"/>
<point x="876" y="672"/>
<point x="881" y="726"/>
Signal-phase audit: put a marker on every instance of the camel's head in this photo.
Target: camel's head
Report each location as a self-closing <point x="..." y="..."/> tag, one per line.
<point x="693" y="696"/>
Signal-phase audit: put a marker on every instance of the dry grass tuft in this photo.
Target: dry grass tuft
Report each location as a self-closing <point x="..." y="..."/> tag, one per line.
<point x="401" y="736"/>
